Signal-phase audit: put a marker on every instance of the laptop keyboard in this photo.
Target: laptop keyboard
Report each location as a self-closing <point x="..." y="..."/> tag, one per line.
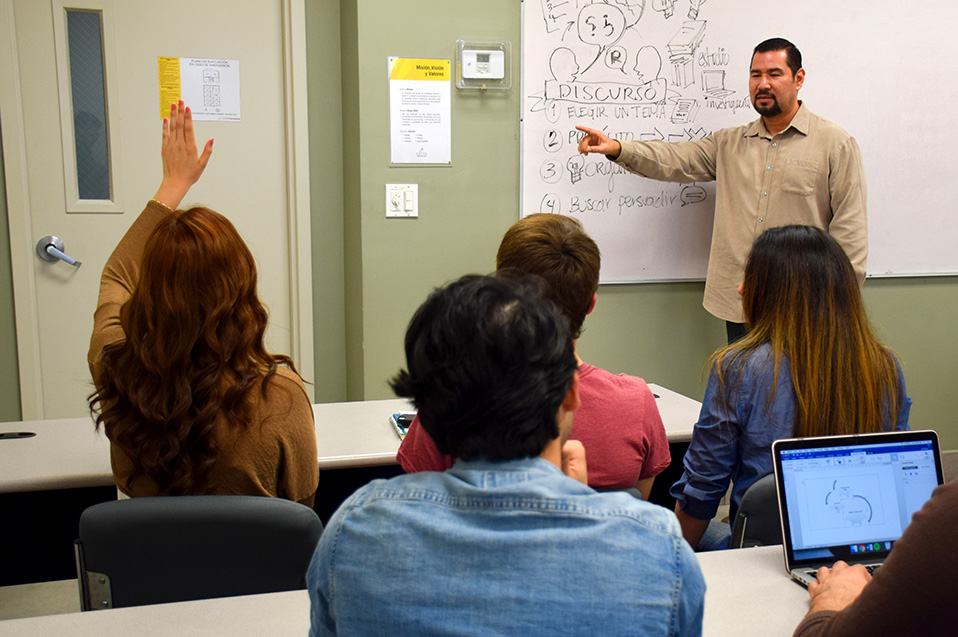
<point x="871" y="568"/>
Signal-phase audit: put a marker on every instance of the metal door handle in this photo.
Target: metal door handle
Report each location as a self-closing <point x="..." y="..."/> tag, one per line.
<point x="50" y="248"/>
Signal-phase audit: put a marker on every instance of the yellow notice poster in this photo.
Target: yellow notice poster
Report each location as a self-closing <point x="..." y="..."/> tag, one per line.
<point x="419" y="111"/>
<point x="169" y="83"/>
<point x="210" y="87"/>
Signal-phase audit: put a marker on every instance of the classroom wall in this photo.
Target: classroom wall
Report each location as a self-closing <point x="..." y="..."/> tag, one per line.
<point x="325" y="96"/>
<point x="370" y="273"/>
<point x="392" y="264"/>
<point x="658" y="331"/>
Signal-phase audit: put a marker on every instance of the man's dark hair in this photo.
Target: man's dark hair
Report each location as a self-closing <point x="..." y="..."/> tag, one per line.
<point x="489" y="362"/>
<point x="793" y="57"/>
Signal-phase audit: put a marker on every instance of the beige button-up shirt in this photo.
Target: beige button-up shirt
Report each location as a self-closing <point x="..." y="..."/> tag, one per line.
<point x="811" y="173"/>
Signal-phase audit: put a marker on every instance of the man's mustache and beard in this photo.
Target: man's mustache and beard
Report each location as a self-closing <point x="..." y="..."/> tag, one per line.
<point x="769" y="109"/>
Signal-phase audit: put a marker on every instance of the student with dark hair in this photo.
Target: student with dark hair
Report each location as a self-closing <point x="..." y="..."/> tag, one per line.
<point x="809" y="366"/>
<point x="618" y="423"/>
<point x="510" y="540"/>
<point x="188" y="395"/>
<point x="790" y="166"/>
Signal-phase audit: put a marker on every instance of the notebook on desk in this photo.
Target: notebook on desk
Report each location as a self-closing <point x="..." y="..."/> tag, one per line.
<point x="850" y="497"/>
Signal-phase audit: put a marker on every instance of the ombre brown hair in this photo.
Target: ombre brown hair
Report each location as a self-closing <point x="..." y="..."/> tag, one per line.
<point x="193" y="353"/>
<point x="802" y="297"/>
<point x="556" y="249"/>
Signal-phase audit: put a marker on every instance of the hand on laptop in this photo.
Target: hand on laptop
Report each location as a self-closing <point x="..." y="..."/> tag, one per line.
<point x="837" y="587"/>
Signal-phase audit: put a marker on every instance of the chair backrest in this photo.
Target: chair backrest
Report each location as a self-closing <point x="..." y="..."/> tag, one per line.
<point x="171" y="549"/>
<point x="757" y="522"/>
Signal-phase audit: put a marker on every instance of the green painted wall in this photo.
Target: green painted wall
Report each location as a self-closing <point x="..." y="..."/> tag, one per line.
<point x="463" y="208"/>
<point x="916" y="318"/>
<point x="326" y="197"/>
<point x="658" y="331"/>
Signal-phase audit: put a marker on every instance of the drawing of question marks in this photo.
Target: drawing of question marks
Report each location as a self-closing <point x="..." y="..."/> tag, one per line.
<point x="601" y="24"/>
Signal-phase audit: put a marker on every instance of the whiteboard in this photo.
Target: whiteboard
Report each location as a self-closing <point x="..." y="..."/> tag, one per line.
<point x="656" y="69"/>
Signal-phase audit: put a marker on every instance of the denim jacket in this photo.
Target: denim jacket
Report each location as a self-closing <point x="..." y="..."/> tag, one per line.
<point x="733" y="438"/>
<point x="502" y="548"/>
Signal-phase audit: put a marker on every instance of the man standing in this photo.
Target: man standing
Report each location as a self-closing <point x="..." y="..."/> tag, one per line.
<point x="505" y="542"/>
<point x="790" y="166"/>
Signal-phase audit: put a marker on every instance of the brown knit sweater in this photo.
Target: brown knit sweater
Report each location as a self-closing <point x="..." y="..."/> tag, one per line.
<point x="275" y="456"/>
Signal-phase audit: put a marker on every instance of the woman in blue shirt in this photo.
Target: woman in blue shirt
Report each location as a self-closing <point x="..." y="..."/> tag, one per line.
<point x="809" y="366"/>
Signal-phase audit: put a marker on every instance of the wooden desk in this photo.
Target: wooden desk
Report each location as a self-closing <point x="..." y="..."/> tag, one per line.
<point x="68" y="453"/>
<point x="748" y="593"/>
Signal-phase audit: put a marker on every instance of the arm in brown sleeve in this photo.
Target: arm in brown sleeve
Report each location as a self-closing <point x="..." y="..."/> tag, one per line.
<point x="911" y="593"/>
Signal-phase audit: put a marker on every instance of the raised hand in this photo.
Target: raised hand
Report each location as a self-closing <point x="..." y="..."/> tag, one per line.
<point x="182" y="166"/>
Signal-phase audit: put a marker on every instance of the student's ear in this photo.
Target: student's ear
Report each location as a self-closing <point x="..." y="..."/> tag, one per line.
<point x="595" y="297"/>
<point x="571" y="402"/>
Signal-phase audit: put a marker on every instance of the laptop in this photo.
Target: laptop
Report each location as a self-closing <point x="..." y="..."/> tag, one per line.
<point x="850" y="497"/>
<point x="713" y="83"/>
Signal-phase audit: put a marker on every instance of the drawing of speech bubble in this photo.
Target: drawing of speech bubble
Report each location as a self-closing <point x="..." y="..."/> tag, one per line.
<point x="601" y="24"/>
<point x="616" y="57"/>
<point x="693" y="194"/>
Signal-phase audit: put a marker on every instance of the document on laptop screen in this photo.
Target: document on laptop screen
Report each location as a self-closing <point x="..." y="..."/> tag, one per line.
<point x="860" y="496"/>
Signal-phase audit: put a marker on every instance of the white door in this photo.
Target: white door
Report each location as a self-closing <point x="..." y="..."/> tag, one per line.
<point x="258" y="176"/>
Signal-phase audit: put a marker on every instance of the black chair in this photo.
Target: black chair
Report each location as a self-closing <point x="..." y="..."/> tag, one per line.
<point x="172" y="549"/>
<point x="757" y="522"/>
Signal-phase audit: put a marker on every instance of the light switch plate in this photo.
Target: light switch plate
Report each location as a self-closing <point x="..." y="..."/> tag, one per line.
<point x="402" y="200"/>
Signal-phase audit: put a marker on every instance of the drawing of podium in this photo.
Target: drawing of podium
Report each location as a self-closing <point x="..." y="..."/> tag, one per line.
<point x="682" y="48"/>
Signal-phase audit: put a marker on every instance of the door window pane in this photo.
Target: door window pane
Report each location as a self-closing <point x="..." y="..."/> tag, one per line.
<point x="84" y="36"/>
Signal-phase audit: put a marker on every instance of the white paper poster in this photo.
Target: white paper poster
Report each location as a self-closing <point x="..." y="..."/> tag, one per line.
<point x="419" y="111"/>
<point x="210" y="87"/>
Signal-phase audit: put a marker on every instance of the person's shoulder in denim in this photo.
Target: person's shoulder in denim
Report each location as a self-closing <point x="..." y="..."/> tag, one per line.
<point x="733" y="437"/>
<point x="505" y="548"/>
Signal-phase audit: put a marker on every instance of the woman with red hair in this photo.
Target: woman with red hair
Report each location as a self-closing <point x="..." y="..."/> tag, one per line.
<point x="188" y="395"/>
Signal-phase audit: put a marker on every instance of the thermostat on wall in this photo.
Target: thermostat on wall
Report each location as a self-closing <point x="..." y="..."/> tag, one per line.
<point x="483" y="65"/>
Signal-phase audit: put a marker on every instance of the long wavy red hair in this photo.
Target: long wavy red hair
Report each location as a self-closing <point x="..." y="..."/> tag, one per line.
<point x="193" y="352"/>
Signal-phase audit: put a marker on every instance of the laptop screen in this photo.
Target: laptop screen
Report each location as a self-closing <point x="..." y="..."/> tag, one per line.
<point x="852" y="497"/>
